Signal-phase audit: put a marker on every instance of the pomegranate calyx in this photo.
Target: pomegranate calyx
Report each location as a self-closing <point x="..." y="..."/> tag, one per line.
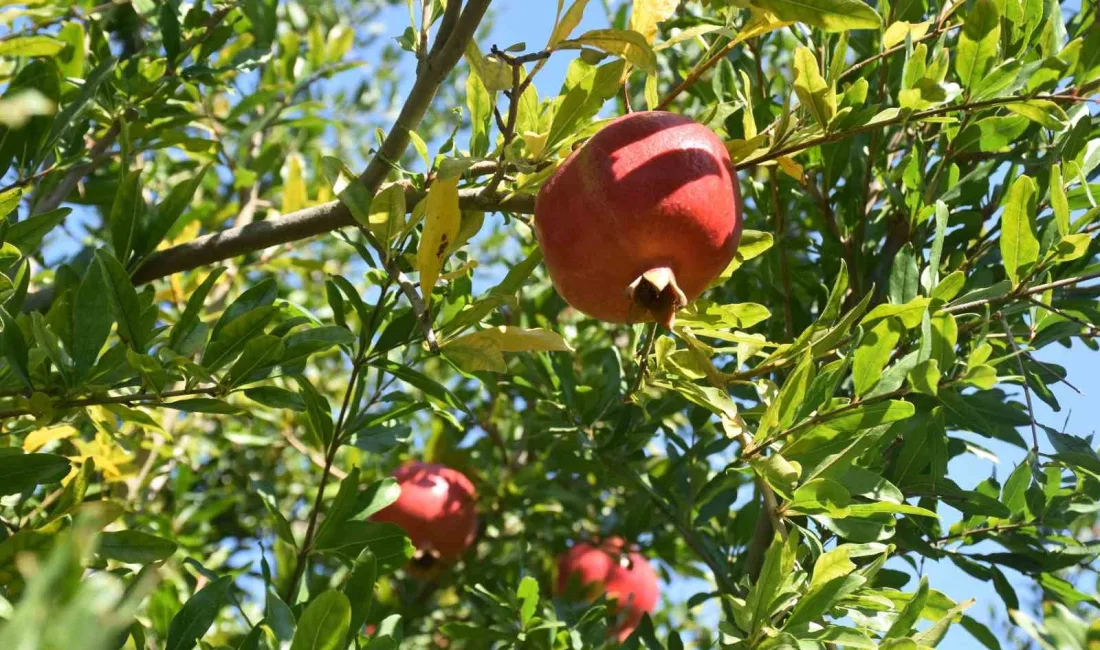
<point x="656" y="292"/>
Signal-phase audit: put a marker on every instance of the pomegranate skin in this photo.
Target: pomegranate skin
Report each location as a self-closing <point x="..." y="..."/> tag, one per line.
<point x="437" y="509"/>
<point x="603" y="569"/>
<point x="650" y="190"/>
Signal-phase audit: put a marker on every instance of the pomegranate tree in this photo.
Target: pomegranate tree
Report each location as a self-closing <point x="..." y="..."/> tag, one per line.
<point x="640" y="219"/>
<point x="608" y="569"/>
<point x="437" y="509"/>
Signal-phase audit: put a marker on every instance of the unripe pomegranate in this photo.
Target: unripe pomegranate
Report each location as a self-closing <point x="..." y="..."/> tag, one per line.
<point x="639" y="220"/>
<point x="437" y="509"/>
<point x="627" y="578"/>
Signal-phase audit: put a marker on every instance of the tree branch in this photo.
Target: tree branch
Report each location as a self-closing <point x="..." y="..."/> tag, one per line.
<point x="295" y="226"/>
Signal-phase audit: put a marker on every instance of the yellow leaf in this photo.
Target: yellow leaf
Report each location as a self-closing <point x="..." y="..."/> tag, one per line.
<point x="568" y="22"/>
<point x="460" y="271"/>
<point x="535" y="142"/>
<point x="647" y="13"/>
<point x="442" y="219"/>
<point x="895" y="33"/>
<point x="790" y="167"/>
<point x="38" y="439"/>
<point x="485" y="350"/>
<point x="294" y="184"/>
<point x="761" y="22"/>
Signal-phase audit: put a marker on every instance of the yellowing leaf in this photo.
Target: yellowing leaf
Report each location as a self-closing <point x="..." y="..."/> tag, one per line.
<point x="896" y="32"/>
<point x="536" y="142"/>
<point x="829" y="15"/>
<point x="38" y="439"/>
<point x="387" y="210"/>
<point x="647" y="13"/>
<point x="568" y="23"/>
<point x="442" y="219"/>
<point x="485" y="350"/>
<point x="624" y="43"/>
<point x="790" y="167"/>
<point x="294" y="184"/>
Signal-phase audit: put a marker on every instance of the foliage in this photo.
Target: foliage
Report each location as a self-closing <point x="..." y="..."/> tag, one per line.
<point x="200" y="399"/>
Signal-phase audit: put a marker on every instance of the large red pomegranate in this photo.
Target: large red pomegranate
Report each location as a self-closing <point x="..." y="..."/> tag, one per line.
<point x="639" y="220"/>
<point x="608" y="568"/>
<point x="437" y="509"/>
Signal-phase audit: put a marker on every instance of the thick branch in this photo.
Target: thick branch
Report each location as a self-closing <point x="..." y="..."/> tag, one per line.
<point x="258" y="235"/>
<point x="435" y="70"/>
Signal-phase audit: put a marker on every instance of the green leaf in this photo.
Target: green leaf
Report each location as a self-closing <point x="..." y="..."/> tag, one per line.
<point x="37" y="45"/>
<point x="778" y="564"/>
<point x="124" y="302"/>
<point x="74" y="110"/>
<point x="324" y="623"/>
<point x="227" y="344"/>
<point x="189" y="319"/>
<point x="203" y="405"/>
<point x="978" y="42"/>
<point x="873" y="353"/>
<point x="829" y="15"/>
<point x="1019" y="246"/>
<point x="197" y="615"/>
<point x="1058" y="200"/>
<point x="584" y="99"/>
<point x="389" y="544"/>
<point x="781" y="474"/>
<point x="170" y="30"/>
<point x="624" y="43"/>
<point x="26" y="235"/>
<point x="910" y="313"/>
<point x="866" y="416"/>
<point x="257" y="358"/>
<point x="19" y="472"/>
<point x="783" y="409"/>
<point x="168" y="212"/>
<point x="135" y="547"/>
<point x="126" y="214"/>
<point x="528" y="594"/>
<point x="909" y="614"/>
<point x="704" y="314"/>
<point x="816" y="94"/>
<point x="1041" y="111"/>
<point x="275" y="397"/>
<point x="430" y="387"/>
<point x="91" y="322"/>
<point x="359" y="588"/>
<point x="904" y="276"/>
<point x="261" y="294"/>
<point x="271" y="504"/>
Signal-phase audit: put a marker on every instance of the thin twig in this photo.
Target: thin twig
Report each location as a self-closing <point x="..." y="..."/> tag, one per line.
<point x="1023" y="377"/>
<point x="901" y="118"/>
<point x="1038" y="288"/>
<point x="97" y="156"/>
<point x="313" y="456"/>
<point x="127" y="400"/>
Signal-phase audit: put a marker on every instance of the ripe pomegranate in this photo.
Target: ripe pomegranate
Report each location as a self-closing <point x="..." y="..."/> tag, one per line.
<point x="437" y="509"/>
<point x="640" y="219"/>
<point x="607" y="568"/>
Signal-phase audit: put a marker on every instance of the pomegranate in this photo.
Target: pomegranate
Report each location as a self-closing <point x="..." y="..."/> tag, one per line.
<point x="639" y="220"/>
<point x="627" y="578"/>
<point x="437" y="509"/>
